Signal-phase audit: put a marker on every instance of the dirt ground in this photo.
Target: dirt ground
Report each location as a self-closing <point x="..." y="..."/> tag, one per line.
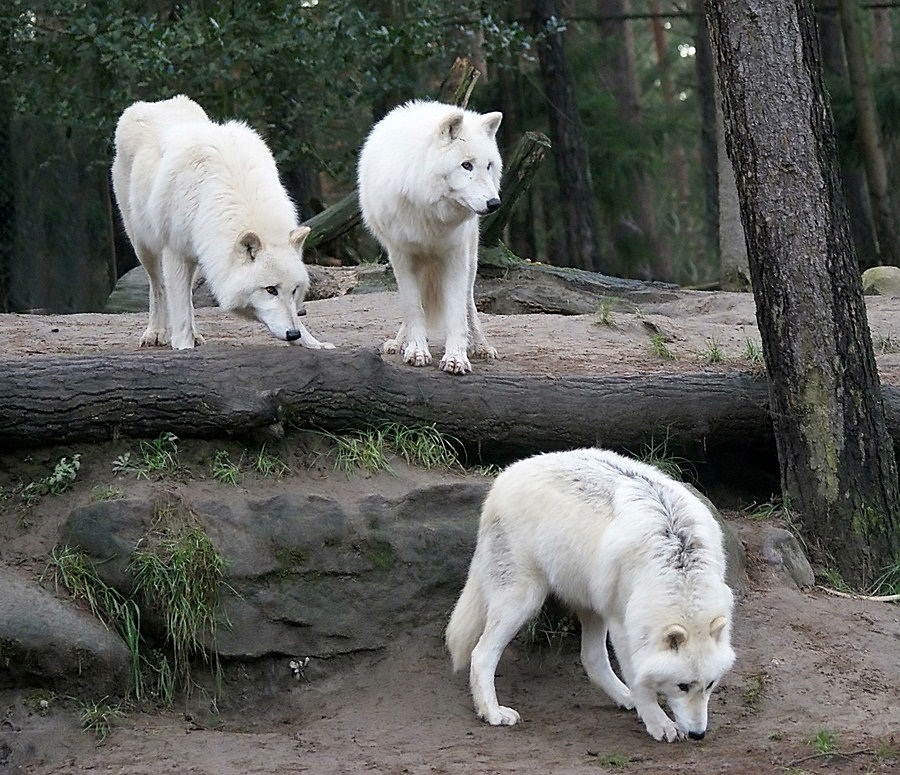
<point x="810" y="666"/>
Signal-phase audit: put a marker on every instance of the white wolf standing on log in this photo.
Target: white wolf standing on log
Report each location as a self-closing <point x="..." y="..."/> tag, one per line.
<point x="633" y="552"/>
<point x="200" y="197"/>
<point x="426" y="172"/>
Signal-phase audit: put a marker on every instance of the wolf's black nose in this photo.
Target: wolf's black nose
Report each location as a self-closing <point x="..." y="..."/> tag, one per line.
<point x="292" y="335"/>
<point x="696" y="735"/>
<point x="492" y="204"/>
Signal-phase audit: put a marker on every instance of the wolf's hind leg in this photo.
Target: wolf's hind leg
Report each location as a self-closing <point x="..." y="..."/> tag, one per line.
<point x="595" y="658"/>
<point x="509" y="606"/>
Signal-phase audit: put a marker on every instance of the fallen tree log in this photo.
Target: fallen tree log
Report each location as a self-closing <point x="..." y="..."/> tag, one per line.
<point x="223" y="391"/>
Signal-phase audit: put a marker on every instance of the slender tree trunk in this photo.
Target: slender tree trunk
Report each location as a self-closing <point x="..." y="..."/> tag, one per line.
<point x="882" y="38"/>
<point x="569" y="147"/>
<point x="837" y="460"/>
<point x="856" y="191"/>
<point x="706" y="92"/>
<point x="644" y="253"/>
<point x="869" y="132"/>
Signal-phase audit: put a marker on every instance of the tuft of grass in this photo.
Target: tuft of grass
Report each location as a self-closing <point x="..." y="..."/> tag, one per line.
<point x="659" y="347"/>
<point x="886" y="750"/>
<point x="713" y="352"/>
<point x="604" y="312"/>
<point x="824" y="742"/>
<point x="753" y="353"/>
<point x="832" y="578"/>
<point x="58" y="481"/>
<point x="40" y="701"/>
<point x="489" y="471"/>
<point x="223" y="469"/>
<point x="158" y="456"/>
<point x="658" y="455"/>
<point x="614" y="761"/>
<point x="269" y="465"/>
<point x="97" y="717"/>
<point x="178" y="573"/>
<point x="754" y="690"/>
<point x="421" y="445"/>
<point x="888" y="583"/>
<point x="72" y="569"/>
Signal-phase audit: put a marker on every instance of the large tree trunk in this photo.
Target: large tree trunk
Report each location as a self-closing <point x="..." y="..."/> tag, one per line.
<point x="836" y="456"/>
<point x="569" y="147"/>
<point x="871" y="142"/>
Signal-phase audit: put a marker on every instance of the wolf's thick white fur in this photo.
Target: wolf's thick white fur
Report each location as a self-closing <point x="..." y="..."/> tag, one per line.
<point x="426" y="172"/>
<point x="633" y="552"/>
<point x="200" y="197"/>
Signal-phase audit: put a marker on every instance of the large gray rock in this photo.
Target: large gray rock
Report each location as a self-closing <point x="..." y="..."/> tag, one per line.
<point x="307" y="574"/>
<point x="45" y="641"/>
<point x="735" y="554"/>
<point x="781" y="549"/>
<point x="881" y="281"/>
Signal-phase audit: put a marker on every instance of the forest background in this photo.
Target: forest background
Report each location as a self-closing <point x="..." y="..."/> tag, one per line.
<point x="637" y="184"/>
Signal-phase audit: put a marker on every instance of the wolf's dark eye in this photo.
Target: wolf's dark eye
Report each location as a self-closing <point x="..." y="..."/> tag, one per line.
<point x="684" y="687"/>
<point x="272" y="290"/>
<point x="467" y="166"/>
<point x="490" y="164"/>
<point x="709" y="685"/>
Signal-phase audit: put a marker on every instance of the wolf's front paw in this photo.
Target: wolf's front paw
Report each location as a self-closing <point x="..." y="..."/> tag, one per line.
<point x="455" y="363"/>
<point x="154" y="338"/>
<point x="198" y="339"/>
<point x="663" y="729"/>
<point x="485" y="352"/>
<point x="501" y="717"/>
<point x="417" y="354"/>
<point x="390" y="347"/>
<point x="624" y="700"/>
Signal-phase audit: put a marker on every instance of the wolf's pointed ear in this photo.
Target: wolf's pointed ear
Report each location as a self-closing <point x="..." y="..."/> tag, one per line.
<point x="250" y="242"/>
<point x="716" y="626"/>
<point x="674" y="636"/>
<point x="492" y="123"/>
<point x="451" y="126"/>
<point x="298" y="236"/>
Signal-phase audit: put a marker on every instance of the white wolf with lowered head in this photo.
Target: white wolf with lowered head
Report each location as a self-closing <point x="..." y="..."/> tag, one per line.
<point x="633" y="552"/>
<point x="198" y="197"/>
<point x="426" y="172"/>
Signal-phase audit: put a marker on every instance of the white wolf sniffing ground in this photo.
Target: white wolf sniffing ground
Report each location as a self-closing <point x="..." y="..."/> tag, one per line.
<point x="633" y="552"/>
<point x="426" y="172"/>
<point x="200" y="197"/>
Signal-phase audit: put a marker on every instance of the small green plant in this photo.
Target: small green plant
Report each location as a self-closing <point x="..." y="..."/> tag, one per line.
<point x="614" y="761"/>
<point x="887" y="343"/>
<point x="269" y="465"/>
<point x="753" y="353"/>
<point x="886" y="750"/>
<point x="55" y="483"/>
<point x="824" y="742"/>
<point x="713" y="352"/>
<point x="659" y="347"/>
<point x="763" y="512"/>
<point x="489" y="471"/>
<point x="97" y="717"/>
<point x="832" y="578"/>
<point x="754" y="690"/>
<point x="179" y="573"/>
<point x="604" y="312"/>
<point x="40" y="701"/>
<point x="224" y="470"/>
<point x="157" y="456"/>
<point x="106" y="492"/>
<point x="550" y="626"/>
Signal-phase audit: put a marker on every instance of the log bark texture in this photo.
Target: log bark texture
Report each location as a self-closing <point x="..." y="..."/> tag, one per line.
<point x="221" y="391"/>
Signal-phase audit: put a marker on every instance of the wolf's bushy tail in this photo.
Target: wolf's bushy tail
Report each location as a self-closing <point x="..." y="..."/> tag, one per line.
<point x="466" y="624"/>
